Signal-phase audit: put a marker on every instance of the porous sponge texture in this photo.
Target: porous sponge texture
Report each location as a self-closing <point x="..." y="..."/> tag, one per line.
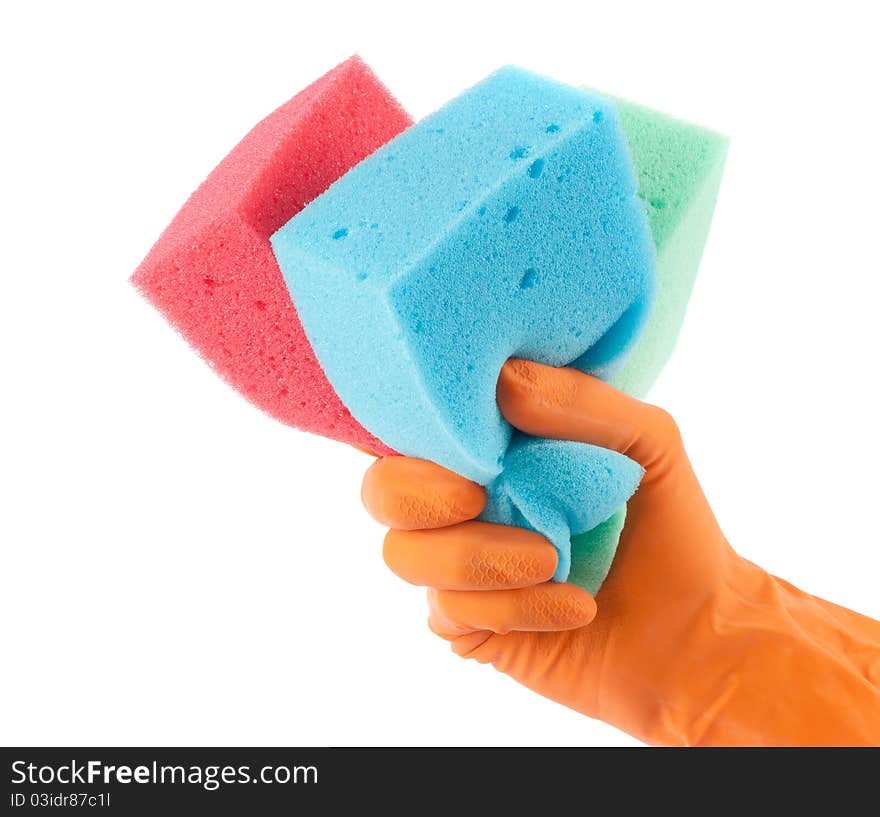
<point x="213" y="274"/>
<point x="506" y="224"/>
<point x="679" y="168"/>
<point x="563" y="489"/>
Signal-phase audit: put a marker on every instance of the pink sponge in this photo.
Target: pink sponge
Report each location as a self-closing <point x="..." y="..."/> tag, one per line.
<point x="213" y="274"/>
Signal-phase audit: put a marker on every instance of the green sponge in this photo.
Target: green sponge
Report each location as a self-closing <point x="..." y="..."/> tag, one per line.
<point x="679" y="169"/>
<point x="593" y="551"/>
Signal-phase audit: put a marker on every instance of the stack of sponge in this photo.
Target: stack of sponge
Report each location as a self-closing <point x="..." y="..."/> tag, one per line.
<point x="365" y="278"/>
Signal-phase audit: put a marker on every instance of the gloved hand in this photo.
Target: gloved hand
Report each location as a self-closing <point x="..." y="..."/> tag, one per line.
<point x="687" y="643"/>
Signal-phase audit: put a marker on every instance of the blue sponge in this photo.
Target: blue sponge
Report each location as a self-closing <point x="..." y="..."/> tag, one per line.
<point x="504" y="225"/>
<point x="560" y="489"/>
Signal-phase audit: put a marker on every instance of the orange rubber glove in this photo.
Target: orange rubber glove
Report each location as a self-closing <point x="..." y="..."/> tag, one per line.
<point x="687" y="643"/>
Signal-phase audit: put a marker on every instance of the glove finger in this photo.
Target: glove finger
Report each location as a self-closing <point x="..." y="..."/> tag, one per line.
<point x="566" y="404"/>
<point x="547" y="607"/>
<point x="411" y="494"/>
<point x="470" y="556"/>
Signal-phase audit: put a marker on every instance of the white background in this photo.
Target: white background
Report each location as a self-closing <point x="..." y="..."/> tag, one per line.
<point x="179" y="569"/>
